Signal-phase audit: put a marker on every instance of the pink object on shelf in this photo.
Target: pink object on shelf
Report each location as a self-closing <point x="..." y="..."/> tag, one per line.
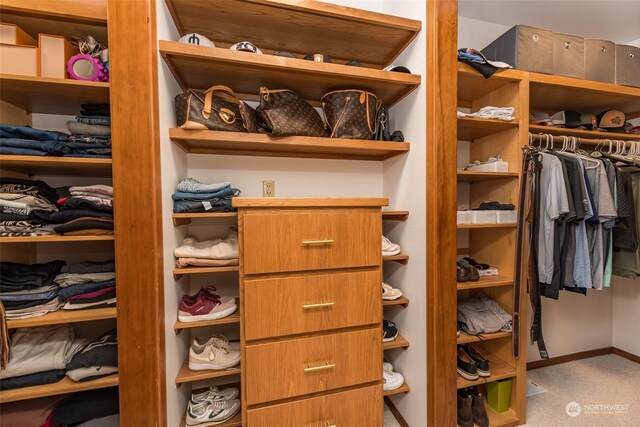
<point x="86" y="67"/>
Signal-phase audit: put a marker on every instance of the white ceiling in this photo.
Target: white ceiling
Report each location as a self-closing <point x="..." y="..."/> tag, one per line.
<point x="615" y="20"/>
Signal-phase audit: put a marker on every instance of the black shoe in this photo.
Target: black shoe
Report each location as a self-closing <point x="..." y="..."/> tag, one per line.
<point x="472" y="272"/>
<point x="476" y="264"/>
<point x="462" y="275"/>
<point x="478" y="410"/>
<point x="465" y="416"/>
<point x="389" y="331"/>
<point x="466" y="366"/>
<point x="481" y="362"/>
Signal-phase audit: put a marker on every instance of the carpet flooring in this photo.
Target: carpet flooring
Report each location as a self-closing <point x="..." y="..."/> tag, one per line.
<point x="389" y="419"/>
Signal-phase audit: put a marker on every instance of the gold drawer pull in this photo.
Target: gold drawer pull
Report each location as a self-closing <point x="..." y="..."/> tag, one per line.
<point x="318" y="305"/>
<point x="317" y="242"/>
<point x="320" y="367"/>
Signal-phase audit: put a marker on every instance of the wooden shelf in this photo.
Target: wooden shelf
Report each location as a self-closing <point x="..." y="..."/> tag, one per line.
<point x="235" y="421"/>
<point x="507" y="418"/>
<point x="555" y="93"/>
<point x="51" y="96"/>
<point x="64" y="316"/>
<point x="368" y="37"/>
<point x="185" y="375"/>
<point x="199" y="67"/>
<point x="399" y="342"/>
<point x="465" y="338"/>
<point x="582" y="133"/>
<point x="486" y="282"/>
<point x="499" y="370"/>
<point x="470" y="128"/>
<point x="472" y="86"/>
<point x="395" y="215"/>
<point x="67" y="166"/>
<point x="508" y="225"/>
<point x="404" y="388"/>
<point x="234" y="318"/>
<point x="400" y="258"/>
<point x="56" y="238"/>
<point x="256" y="144"/>
<point x="185" y="218"/>
<point x="403" y="301"/>
<point x="63" y="386"/>
<point x="179" y="272"/>
<point x="472" y="176"/>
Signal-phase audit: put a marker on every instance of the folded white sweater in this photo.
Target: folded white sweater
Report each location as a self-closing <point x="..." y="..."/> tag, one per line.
<point x="226" y="248"/>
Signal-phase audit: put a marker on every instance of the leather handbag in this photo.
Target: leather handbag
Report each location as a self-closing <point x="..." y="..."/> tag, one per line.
<point x="216" y="108"/>
<point x="351" y="113"/>
<point x="284" y="113"/>
<point x="382" y="124"/>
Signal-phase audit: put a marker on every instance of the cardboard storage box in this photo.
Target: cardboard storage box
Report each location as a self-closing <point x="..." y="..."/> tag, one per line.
<point x="627" y="65"/>
<point x="525" y="48"/>
<point x="18" y="59"/>
<point x="568" y="55"/>
<point x="12" y="34"/>
<point x="55" y="51"/>
<point x="600" y="60"/>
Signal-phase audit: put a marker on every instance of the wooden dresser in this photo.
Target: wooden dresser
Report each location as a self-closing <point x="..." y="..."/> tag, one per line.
<point x="311" y="311"/>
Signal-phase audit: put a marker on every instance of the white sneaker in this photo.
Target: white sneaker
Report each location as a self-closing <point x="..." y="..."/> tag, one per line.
<point x="212" y="413"/>
<point x="211" y="356"/>
<point x="213" y="394"/>
<point x="218" y="340"/>
<point x="389" y="293"/>
<point x="389" y="248"/>
<point x="390" y="380"/>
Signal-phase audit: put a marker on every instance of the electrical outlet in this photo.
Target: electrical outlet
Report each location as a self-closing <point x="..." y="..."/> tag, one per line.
<point x="268" y="188"/>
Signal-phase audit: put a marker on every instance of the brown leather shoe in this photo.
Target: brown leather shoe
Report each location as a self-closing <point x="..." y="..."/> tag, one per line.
<point x="465" y="416"/>
<point x="462" y="274"/>
<point x="472" y="273"/>
<point x="478" y="410"/>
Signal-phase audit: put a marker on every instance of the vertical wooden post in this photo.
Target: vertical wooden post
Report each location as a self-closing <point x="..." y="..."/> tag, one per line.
<point x="442" y="26"/>
<point x="138" y="227"/>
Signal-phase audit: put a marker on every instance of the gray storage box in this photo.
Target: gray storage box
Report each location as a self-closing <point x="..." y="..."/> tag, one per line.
<point x="525" y="48"/>
<point x="568" y="55"/>
<point x="627" y="65"/>
<point x="600" y="60"/>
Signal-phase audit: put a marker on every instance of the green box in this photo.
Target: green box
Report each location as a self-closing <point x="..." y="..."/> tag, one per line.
<point x="499" y="394"/>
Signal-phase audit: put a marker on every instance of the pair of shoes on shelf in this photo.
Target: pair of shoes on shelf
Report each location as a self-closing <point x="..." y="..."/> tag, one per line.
<point x="466" y="272"/>
<point x="389" y="331"/>
<point x="389" y="248"/>
<point x="389" y="293"/>
<point x="471" y="409"/>
<point x="205" y="305"/>
<point x="215" y="354"/>
<point x="212" y="406"/>
<point x="391" y="380"/>
<point x="471" y="363"/>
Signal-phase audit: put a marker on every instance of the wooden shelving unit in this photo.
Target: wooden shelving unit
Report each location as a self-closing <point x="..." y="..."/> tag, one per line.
<point x="63" y="386"/>
<point x="471" y="176"/>
<point x="400" y="258"/>
<point x="403" y="301"/>
<point x="404" y="388"/>
<point x="186" y="375"/>
<point x="580" y="133"/>
<point x="399" y="342"/>
<point x="395" y="215"/>
<point x="67" y="166"/>
<point x="235" y="421"/>
<point x="255" y="144"/>
<point x="500" y="370"/>
<point x="229" y="320"/>
<point x="486" y="282"/>
<point x="465" y="338"/>
<point x="470" y="128"/>
<point x="179" y="272"/>
<point x="470" y="226"/>
<point x="62" y="316"/>
<point x="56" y="239"/>
<point x="186" y="218"/>
<point x="472" y="86"/>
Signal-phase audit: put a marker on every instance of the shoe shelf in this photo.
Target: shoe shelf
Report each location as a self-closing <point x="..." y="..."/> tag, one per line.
<point x="186" y="375"/>
<point x="403" y="301"/>
<point x="372" y="38"/>
<point x="472" y="86"/>
<point x="256" y="144"/>
<point x="186" y="218"/>
<point x="50" y="95"/>
<point x="472" y="176"/>
<point x="56" y="238"/>
<point x="395" y="215"/>
<point x="470" y="128"/>
<point x="67" y="166"/>
<point x="486" y="282"/>
<point x="471" y="226"/>
<point x="501" y="419"/>
<point x="404" y="388"/>
<point x="63" y="386"/>
<point x="234" y="421"/>
<point x="399" y="342"/>
<point x="499" y="370"/>
<point x="590" y="134"/>
<point x="179" y="272"/>
<point x="400" y="258"/>
<point x="199" y="67"/>
<point x="64" y="316"/>
<point x="465" y="338"/>
<point x="232" y="319"/>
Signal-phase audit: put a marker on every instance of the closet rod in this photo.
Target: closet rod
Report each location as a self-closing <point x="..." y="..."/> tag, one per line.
<point x="582" y="141"/>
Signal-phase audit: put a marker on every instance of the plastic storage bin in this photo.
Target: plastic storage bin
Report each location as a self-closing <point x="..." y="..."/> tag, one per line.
<point x="499" y="394"/>
<point x="464" y="217"/>
<point x="506" y="217"/>
<point x="485" y="217"/>
<point x="600" y="60"/>
<point x="499" y="166"/>
<point x="568" y="55"/>
<point x="525" y="48"/>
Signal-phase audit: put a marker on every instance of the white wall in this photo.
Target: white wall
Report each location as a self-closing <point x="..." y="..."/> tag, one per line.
<point x="626" y="315"/>
<point x="478" y="34"/>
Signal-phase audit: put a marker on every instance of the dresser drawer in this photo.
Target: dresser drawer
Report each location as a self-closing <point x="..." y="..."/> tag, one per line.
<point x="282" y="240"/>
<point x="317" y="302"/>
<point x="354" y="408"/>
<point x="301" y="366"/>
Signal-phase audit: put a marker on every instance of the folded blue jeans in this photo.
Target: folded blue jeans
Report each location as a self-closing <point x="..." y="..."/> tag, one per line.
<point x="211" y="205"/>
<point x="84" y="288"/>
<point x="94" y="120"/>
<point x="50" y="146"/>
<point x="27" y="132"/>
<point x="226" y="192"/>
<point x="21" y="151"/>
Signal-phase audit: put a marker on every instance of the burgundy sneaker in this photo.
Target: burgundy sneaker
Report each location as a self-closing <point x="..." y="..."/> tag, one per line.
<point x="205" y="305"/>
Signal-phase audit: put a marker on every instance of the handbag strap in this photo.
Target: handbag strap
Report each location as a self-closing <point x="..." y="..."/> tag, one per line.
<point x="223" y="92"/>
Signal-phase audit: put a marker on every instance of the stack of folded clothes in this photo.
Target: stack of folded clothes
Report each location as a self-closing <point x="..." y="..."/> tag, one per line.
<point x="93" y="408"/>
<point x="95" y="359"/>
<point x="193" y="196"/>
<point x="86" y="210"/>
<point x="87" y="285"/>
<point x="29" y="290"/>
<point x="91" y="132"/>
<point x="39" y="356"/>
<point x="26" y="141"/>
<point x="25" y="207"/>
<point x="208" y="253"/>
